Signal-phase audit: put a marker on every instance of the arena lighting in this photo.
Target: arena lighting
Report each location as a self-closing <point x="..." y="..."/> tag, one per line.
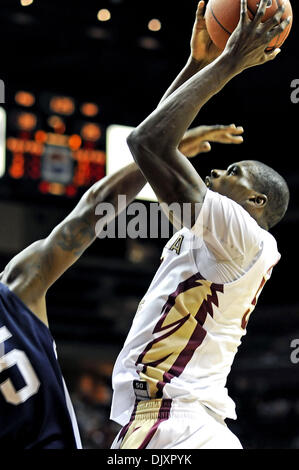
<point x="16" y="169"/>
<point x="75" y="142"/>
<point x="91" y="132"/>
<point x="62" y="105"/>
<point x="38" y="150"/>
<point x="154" y="25"/>
<point x="24" y="98"/>
<point x="89" y="109"/>
<point x="26" y="121"/>
<point x="57" y="124"/>
<point x="148" y="43"/>
<point x="56" y="188"/>
<point x="104" y="15"/>
<point x="98" y="33"/>
<point x="26" y="3"/>
<point x="22" y="18"/>
<point x="41" y="136"/>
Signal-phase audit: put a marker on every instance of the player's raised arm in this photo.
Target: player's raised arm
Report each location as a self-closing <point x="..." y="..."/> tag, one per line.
<point x="202" y="51"/>
<point x="154" y="143"/>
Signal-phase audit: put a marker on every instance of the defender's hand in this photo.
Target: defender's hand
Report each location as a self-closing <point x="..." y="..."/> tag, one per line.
<point x="202" y="47"/>
<point x="246" y="45"/>
<point x="197" y="140"/>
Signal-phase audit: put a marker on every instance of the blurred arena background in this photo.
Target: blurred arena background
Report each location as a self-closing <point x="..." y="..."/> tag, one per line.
<point x="73" y="68"/>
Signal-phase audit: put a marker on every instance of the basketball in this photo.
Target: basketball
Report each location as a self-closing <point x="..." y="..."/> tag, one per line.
<point x="222" y="17"/>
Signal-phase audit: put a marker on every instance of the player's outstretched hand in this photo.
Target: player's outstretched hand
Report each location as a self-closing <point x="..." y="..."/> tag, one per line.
<point x="197" y="140"/>
<point x="246" y="45"/>
<point x="202" y="47"/>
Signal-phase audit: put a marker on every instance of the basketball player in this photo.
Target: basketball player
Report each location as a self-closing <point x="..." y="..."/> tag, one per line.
<point x="35" y="408"/>
<point x="169" y="379"/>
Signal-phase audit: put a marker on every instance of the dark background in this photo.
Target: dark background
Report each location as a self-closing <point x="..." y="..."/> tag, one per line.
<point x="60" y="47"/>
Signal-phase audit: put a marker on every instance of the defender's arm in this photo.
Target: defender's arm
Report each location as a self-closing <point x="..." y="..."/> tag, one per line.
<point x="35" y="269"/>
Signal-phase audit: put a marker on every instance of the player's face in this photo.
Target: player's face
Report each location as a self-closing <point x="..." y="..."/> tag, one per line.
<point x="234" y="182"/>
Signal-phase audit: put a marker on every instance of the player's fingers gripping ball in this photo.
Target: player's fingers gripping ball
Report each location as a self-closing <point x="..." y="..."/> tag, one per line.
<point x="222" y="17"/>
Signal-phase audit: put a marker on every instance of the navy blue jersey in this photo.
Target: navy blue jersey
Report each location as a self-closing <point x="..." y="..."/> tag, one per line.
<point x="35" y="408"/>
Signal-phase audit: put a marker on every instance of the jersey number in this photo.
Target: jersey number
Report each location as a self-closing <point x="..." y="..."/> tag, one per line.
<point x="18" y="358"/>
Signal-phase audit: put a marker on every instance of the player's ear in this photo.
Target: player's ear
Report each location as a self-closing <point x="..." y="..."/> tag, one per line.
<point x="258" y="200"/>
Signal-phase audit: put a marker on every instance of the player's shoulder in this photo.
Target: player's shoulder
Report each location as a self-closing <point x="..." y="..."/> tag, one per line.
<point x="232" y="209"/>
<point x="222" y="214"/>
<point x="223" y="219"/>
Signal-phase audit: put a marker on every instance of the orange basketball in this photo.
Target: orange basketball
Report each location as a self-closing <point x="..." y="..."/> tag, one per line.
<point x="222" y="17"/>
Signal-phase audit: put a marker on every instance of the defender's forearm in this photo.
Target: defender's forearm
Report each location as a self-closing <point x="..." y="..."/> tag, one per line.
<point x="78" y="230"/>
<point x="128" y="181"/>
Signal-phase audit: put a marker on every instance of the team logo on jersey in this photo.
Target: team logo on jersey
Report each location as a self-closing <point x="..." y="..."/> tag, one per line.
<point x="178" y="333"/>
<point x="177" y="245"/>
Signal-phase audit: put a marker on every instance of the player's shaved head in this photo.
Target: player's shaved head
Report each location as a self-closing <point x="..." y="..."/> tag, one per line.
<point x="267" y="181"/>
<point x="256" y="187"/>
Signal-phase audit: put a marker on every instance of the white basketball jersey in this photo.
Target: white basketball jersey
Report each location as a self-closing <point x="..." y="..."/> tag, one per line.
<point x="189" y="325"/>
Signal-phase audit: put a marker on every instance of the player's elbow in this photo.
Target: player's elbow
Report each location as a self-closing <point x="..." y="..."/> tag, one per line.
<point x="136" y="142"/>
<point x="141" y="143"/>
